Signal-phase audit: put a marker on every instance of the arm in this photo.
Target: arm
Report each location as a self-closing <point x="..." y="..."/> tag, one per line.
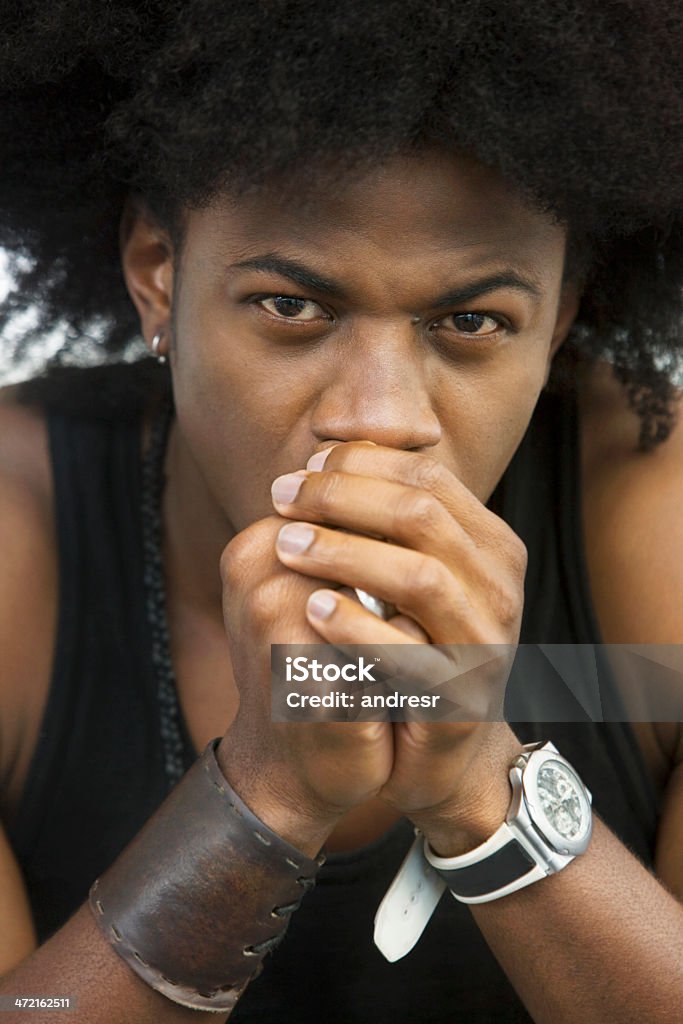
<point x="78" y="961"/>
<point x="601" y="939"/>
<point x="17" y="936"/>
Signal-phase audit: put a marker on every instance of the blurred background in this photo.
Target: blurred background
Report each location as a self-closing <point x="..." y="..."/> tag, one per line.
<point x="82" y="351"/>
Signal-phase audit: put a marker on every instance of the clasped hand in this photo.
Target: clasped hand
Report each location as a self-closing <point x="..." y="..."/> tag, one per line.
<point x="402" y="527"/>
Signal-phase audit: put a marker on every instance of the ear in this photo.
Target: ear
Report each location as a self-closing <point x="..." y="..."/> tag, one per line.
<point x="570" y="299"/>
<point x="147" y="260"/>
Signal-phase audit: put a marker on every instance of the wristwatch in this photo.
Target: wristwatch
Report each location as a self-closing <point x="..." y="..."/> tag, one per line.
<point x="548" y="824"/>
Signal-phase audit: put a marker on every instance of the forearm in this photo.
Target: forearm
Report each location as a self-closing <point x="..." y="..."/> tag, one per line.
<point x="600" y="941"/>
<point x="182" y="918"/>
<point x="79" y="963"/>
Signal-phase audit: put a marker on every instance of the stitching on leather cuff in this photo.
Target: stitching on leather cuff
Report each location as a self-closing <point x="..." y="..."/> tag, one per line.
<point x="202" y="893"/>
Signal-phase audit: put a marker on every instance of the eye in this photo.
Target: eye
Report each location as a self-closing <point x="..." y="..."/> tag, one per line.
<point x="289" y="307"/>
<point x="479" y="324"/>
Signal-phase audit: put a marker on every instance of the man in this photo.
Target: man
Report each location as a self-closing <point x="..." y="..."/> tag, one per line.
<point x="411" y="352"/>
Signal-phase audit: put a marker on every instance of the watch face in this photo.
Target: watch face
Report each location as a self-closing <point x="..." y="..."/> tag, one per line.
<point x="559" y="795"/>
<point x="557" y="802"/>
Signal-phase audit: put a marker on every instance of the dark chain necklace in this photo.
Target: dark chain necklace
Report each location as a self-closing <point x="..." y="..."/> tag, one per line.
<point x="153" y="480"/>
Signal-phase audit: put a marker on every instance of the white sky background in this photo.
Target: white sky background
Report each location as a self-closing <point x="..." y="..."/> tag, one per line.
<point x="13" y="369"/>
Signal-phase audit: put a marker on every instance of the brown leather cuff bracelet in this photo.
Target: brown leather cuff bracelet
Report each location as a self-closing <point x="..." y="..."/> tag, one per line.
<point x="202" y="893"/>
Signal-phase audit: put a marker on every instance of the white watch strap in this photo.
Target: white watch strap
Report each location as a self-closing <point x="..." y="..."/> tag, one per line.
<point x="408" y="904"/>
<point x="501" y="837"/>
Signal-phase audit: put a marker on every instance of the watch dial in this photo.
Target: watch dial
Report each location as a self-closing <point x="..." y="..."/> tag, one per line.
<point x="560" y="798"/>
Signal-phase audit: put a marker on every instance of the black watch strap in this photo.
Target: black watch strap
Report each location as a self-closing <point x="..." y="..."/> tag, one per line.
<point x="494" y="872"/>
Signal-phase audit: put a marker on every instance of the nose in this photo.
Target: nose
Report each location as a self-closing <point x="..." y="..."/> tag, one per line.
<point x="379" y="387"/>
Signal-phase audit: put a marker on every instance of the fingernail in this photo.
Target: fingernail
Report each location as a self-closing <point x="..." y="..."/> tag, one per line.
<point x="321" y="604"/>
<point x="285" y="489"/>
<point x="317" y="461"/>
<point x="295" y="537"/>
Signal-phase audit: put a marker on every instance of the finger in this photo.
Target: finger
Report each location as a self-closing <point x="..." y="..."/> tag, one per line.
<point x="445" y="520"/>
<point x="409" y="627"/>
<point x="353" y="624"/>
<point x="429" y="475"/>
<point x="419" y="586"/>
<point x="378" y="508"/>
<point x="259" y="590"/>
<point x="413" y="469"/>
<point x="464" y="679"/>
<point x="402" y="622"/>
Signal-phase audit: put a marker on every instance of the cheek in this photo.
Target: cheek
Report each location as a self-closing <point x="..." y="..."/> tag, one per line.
<point x="226" y="371"/>
<point x="492" y="416"/>
<point x="243" y="416"/>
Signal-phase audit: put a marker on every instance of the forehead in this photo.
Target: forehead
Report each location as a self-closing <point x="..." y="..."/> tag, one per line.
<point x="427" y="205"/>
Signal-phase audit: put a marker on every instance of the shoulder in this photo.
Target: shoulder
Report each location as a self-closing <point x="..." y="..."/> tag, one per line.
<point x="28" y="581"/>
<point x="23" y="441"/>
<point x="633" y="530"/>
<point x="633" y="527"/>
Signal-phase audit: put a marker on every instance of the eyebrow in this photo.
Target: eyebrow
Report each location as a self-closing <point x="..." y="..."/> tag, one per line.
<point x="510" y="279"/>
<point x="302" y="275"/>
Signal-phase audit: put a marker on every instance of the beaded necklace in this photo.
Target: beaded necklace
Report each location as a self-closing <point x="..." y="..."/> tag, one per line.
<point x="153" y="481"/>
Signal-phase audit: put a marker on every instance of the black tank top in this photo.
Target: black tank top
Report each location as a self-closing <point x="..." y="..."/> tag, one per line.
<point x="98" y="772"/>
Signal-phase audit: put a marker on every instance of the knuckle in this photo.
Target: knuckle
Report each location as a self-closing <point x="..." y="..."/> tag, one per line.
<point x="510" y="604"/>
<point x="429" y="579"/>
<point x="507" y="599"/>
<point x="428" y="472"/>
<point x="237" y="558"/>
<point x="350" y="455"/>
<point x="320" y="498"/>
<point x="510" y="548"/>
<point x="264" y="602"/>
<point x="248" y="548"/>
<point x="418" y="516"/>
<point x="231" y="558"/>
<point x="344" y="457"/>
<point x="519" y="556"/>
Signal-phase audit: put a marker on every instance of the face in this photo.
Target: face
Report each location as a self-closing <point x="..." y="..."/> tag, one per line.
<point x="417" y="307"/>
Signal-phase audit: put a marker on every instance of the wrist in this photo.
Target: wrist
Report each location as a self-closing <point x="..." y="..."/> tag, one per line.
<point x="459" y="828"/>
<point x="296" y="820"/>
<point x="478" y="808"/>
<point x="547" y="825"/>
<point x="202" y="893"/>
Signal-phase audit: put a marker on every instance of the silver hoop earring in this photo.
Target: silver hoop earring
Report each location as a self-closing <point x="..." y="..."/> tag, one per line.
<point x="156" y="341"/>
